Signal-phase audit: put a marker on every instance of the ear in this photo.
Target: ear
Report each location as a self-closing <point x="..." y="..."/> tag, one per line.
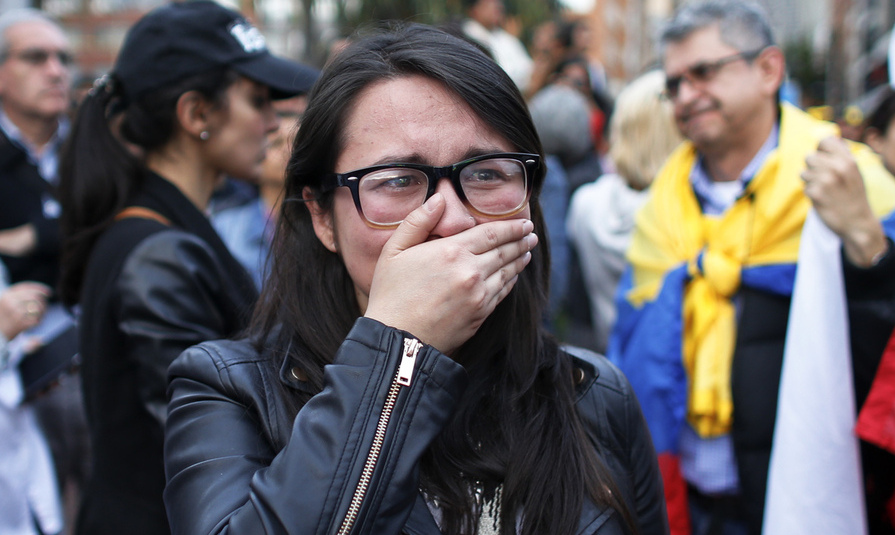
<point x="193" y="112"/>
<point x="3" y="78"/>
<point x="772" y="66"/>
<point x="322" y="221"/>
<point x="873" y="138"/>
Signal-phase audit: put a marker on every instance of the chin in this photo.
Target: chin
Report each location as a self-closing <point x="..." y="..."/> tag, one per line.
<point x="247" y="175"/>
<point x="701" y="134"/>
<point x="51" y="113"/>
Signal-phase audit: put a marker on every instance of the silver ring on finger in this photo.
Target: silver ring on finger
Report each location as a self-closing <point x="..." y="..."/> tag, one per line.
<point x="32" y="308"/>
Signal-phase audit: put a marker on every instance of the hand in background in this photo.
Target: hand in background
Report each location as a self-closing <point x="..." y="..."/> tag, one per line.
<point x="835" y="187"/>
<point x="22" y="306"/>
<point x="18" y="241"/>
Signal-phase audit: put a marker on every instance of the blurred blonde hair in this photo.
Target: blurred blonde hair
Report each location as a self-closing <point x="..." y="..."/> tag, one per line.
<point x="642" y="132"/>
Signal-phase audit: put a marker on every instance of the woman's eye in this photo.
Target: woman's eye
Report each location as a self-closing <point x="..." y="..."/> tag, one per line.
<point x="392" y="182"/>
<point x="400" y="182"/>
<point x="261" y="101"/>
<point x="485" y="175"/>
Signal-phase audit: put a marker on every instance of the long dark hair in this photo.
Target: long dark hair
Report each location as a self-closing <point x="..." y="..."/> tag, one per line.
<point x="520" y="403"/>
<point x="883" y="112"/>
<point x="98" y="175"/>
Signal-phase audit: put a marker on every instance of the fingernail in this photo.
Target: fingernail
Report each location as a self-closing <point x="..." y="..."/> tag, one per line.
<point x="531" y="240"/>
<point x="527" y="226"/>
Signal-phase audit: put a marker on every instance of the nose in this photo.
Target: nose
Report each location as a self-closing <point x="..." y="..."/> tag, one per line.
<point x="56" y="67"/>
<point x="271" y="119"/>
<point x="686" y="92"/>
<point x="456" y="218"/>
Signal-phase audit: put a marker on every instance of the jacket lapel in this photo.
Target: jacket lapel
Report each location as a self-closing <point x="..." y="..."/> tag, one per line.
<point x="421" y="521"/>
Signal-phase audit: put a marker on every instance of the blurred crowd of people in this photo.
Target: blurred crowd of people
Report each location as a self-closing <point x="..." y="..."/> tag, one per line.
<point x="151" y="219"/>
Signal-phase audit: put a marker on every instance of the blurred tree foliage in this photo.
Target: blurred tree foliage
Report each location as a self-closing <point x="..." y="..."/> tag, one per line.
<point x="806" y="70"/>
<point x="356" y="13"/>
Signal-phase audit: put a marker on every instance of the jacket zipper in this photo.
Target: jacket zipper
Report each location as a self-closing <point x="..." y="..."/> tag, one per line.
<point x="403" y="377"/>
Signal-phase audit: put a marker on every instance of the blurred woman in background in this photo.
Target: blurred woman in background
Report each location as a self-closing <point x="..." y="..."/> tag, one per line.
<point x="190" y="94"/>
<point x="642" y="134"/>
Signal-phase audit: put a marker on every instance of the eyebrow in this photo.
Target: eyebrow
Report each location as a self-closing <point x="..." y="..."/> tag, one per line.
<point x="38" y="48"/>
<point x="417" y="158"/>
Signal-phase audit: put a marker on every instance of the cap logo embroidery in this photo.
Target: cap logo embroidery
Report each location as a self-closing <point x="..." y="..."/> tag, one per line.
<point x="248" y="36"/>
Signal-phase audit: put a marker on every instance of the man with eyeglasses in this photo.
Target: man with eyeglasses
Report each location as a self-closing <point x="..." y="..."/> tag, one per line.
<point x="35" y="83"/>
<point x="703" y="324"/>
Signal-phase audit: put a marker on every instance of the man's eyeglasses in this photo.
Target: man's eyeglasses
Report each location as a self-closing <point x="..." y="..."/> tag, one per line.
<point x="40" y="56"/>
<point x="493" y="185"/>
<point x="703" y="72"/>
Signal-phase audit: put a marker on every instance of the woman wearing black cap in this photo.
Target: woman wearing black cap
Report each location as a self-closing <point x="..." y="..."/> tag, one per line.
<point x="191" y="94"/>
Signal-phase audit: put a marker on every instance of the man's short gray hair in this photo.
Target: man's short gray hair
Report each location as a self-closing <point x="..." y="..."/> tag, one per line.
<point x="743" y="25"/>
<point x="10" y="18"/>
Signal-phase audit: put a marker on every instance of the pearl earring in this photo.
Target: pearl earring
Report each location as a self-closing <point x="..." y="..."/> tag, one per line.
<point x="203" y="135"/>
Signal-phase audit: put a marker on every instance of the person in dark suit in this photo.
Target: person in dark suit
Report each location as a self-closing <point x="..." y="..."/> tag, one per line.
<point x="35" y="80"/>
<point x="35" y="96"/>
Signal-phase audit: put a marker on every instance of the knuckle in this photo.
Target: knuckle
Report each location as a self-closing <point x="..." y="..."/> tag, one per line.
<point x="502" y="256"/>
<point x="470" y="280"/>
<point x="479" y="297"/>
<point x="491" y="235"/>
<point x="452" y="253"/>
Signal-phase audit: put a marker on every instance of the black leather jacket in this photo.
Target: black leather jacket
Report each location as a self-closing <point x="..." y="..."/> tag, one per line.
<point x="238" y="463"/>
<point x="151" y="290"/>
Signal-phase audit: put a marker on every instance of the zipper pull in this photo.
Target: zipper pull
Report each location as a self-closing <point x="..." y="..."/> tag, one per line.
<point x="405" y="370"/>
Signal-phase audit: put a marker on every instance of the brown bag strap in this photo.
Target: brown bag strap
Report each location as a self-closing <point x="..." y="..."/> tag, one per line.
<point x="144" y="213"/>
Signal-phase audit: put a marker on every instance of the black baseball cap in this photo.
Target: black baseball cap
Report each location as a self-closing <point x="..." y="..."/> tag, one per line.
<point x="184" y="38"/>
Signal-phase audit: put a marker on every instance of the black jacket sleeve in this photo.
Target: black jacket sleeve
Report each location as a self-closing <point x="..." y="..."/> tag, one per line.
<point x="170" y="291"/>
<point x="224" y="475"/>
<point x="871" y="315"/>
<point x="612" y="417"/>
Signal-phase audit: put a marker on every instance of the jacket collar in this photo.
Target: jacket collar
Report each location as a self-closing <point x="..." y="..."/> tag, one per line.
<point x="584" y="374"/>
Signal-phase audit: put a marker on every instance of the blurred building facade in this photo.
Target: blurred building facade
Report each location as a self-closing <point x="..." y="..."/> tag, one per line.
<point x="836" y="49"/>
<point x="96" y="28"/>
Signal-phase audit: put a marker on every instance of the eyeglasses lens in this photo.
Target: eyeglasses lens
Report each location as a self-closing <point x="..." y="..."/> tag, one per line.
<point x="388" y="195"/>
<point x="697" y="74"/>
<point x="672" y="85"/>
<point x="494" y="187"/>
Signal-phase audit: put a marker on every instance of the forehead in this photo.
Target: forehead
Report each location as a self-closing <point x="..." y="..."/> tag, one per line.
<point x="291" y="105"/>
<point x="701" y="45"/>
<point x="35" y="34"/>
<point x="574" y="69"/>
<point x="416" y="118"/>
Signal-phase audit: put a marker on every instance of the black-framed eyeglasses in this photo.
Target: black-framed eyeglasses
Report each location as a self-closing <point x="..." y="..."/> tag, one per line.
<point x="703" y="72"/>
<point x="491" y="185"/>
<point x="40" y="56"/>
